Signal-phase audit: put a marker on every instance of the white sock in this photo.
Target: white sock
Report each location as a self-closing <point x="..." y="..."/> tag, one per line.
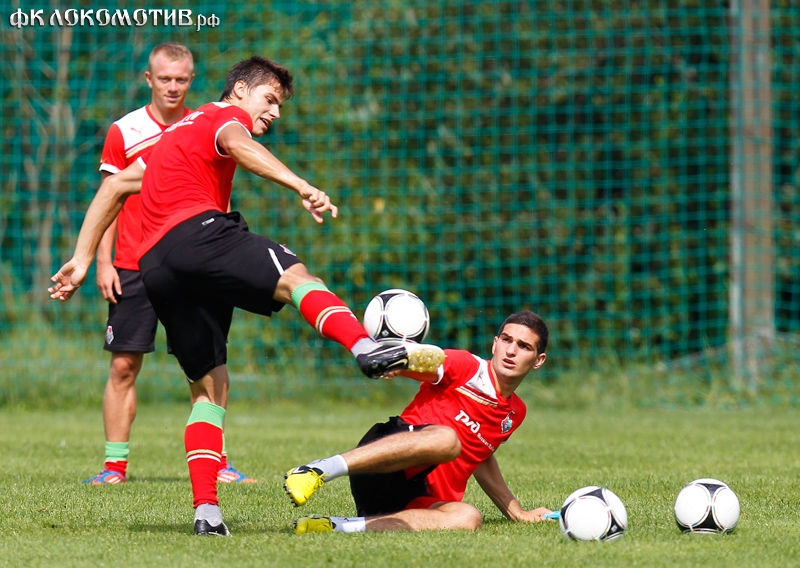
<point x="363" y="345"/>
<point x="210" y="513"/>
<point x="334" y="467"/>
<point x="349" y="524"/>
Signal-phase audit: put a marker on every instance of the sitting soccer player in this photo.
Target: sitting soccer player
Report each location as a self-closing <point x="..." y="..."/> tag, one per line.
<point x="411" y="472"/>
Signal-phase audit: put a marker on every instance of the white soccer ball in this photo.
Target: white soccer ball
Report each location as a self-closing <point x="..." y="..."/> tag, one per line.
<point x="397" y="315"/>
<point x="593" y="513"/>
<point x="707" y="506"/>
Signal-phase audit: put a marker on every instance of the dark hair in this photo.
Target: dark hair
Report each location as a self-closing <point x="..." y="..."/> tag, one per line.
<point x="258" y="71"/>
<point x="533" y="322"/>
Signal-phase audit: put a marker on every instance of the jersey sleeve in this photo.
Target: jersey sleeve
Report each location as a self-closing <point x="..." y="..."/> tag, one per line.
<point x="231" y="115"/>
<point x="458" y="367"/>
<point x="113" y="159"/>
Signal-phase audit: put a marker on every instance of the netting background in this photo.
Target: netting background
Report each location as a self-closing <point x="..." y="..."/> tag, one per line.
<point x="570" y="157"/>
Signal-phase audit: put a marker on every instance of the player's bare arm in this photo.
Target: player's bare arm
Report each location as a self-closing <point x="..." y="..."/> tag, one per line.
<point x="107" y="278"/>
<point x="104" y="208"/>
<point x="255" y="158"/>
<point x="491" y="480"/>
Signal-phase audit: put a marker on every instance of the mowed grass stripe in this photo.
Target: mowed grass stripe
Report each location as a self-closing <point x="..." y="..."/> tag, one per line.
<point x="645" y="456"/>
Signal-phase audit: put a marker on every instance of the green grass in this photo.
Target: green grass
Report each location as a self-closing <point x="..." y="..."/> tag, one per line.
<point x="645" y="456"/>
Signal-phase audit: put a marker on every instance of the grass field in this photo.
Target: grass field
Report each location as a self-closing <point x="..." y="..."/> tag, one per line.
<point x="645" y="456"/>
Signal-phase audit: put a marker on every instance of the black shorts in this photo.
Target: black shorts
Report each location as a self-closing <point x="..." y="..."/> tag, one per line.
<point x="383" y="493"/>
<point x="200" y="271"/>
<point x="132" y="321"/>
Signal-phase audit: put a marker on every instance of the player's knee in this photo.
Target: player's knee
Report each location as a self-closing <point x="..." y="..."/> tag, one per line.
<point x="462" y="516"/>
<point x="453" y="444"/>
<point x="125" y="367"/>
<point x="298" y="274"/>
<point x="294" y="276"/>
<point x="472" y="518"/>
<point x="447" y="442"/>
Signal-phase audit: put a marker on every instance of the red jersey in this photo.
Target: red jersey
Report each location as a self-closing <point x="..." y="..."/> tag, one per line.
<point x="466" y="399"/>
<point x="131" y="136"/>
<point x="187" y="173"/>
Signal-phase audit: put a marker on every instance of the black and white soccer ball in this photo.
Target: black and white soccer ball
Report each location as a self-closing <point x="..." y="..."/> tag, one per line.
<point x="593" y="513"/>
<point x="397" y="315"/>
<point x="707" y="506"/>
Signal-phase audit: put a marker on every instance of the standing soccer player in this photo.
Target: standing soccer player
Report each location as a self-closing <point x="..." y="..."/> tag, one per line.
<point x="132" y="322"/>
<point x="199" y="262"/>
<point x="411" y="472"/>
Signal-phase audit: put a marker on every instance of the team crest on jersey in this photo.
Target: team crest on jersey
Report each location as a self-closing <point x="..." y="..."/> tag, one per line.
<point x="109" y="335"/>
<point x="286" y="250"/>
<point x="507" y="424"/>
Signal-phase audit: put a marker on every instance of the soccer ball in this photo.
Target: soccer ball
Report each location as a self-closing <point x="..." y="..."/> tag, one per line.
<point x="593" y="513"/>
<point x="397" y="315"/>
<point x="707" y="506"/>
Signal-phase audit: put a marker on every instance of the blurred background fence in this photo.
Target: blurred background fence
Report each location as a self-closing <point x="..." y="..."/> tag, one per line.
<point x="629" y="170"/>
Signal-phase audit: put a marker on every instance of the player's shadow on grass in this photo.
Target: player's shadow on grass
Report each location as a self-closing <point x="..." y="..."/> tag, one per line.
<point x="143" y="480"/>
<point x="186" y="528"/>
<point x="162" y="529"/>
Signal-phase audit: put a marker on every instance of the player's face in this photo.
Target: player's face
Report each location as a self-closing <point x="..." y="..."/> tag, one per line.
<point x="514" y="352"/>
<point x="263" y="104"/>
<point x="169" y="81"/>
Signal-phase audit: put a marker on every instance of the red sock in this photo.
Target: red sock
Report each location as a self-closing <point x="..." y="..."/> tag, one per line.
<point x="223" y="462"/>
<point x="331" y="317"/>
<point x="203" y="449"/>
<point x="119" y="466"/>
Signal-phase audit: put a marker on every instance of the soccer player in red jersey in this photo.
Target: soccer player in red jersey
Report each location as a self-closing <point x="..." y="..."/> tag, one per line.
<point x="198" y="262"/>
<point x="132" y="322"/>
<point x="411" y="472"/>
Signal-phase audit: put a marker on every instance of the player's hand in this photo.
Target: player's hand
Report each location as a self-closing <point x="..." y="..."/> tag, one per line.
<point x="108" y="283"/>
<point x="316" y="202"/>
<point x="67" y="280"/>
<point x="535" y="516"/>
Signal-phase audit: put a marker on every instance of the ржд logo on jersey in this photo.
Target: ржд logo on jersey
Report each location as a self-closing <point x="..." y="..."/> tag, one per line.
<point x="464" y="417"/>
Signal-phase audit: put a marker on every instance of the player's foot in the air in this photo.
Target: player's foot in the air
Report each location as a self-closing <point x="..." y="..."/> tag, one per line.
<point x="106" y="477"/>
<point x="417" y="357"/>
<point x="232" y="475"/>
<point x="313" y="524"/>
<point x="301" y="483"/>
<point x="203" y="528"/>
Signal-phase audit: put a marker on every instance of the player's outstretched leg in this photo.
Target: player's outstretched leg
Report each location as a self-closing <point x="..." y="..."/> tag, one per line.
<point x="301" y="483"/>
<point x="417" y="357"/>
<point x="313" y="524"/>
<point x="316" y="524"/>
<point x="333" y="319"/>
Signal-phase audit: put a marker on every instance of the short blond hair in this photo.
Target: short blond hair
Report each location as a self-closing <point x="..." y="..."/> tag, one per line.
<point x="173" y="51"/>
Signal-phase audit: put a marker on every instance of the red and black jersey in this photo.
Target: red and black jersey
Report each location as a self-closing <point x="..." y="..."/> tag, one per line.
<point x="187" y="173"/>
<point x="130" y="137"/>
<point x="466" y="398"/>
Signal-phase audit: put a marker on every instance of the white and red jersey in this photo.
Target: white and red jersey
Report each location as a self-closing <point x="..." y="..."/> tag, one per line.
<point x="466" y="398"/>
<point x="187" y="173"/>
<point x="130" y="137"/>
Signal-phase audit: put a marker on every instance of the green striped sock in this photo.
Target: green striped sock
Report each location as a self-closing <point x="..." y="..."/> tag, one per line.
<point x="117" y="451"/>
